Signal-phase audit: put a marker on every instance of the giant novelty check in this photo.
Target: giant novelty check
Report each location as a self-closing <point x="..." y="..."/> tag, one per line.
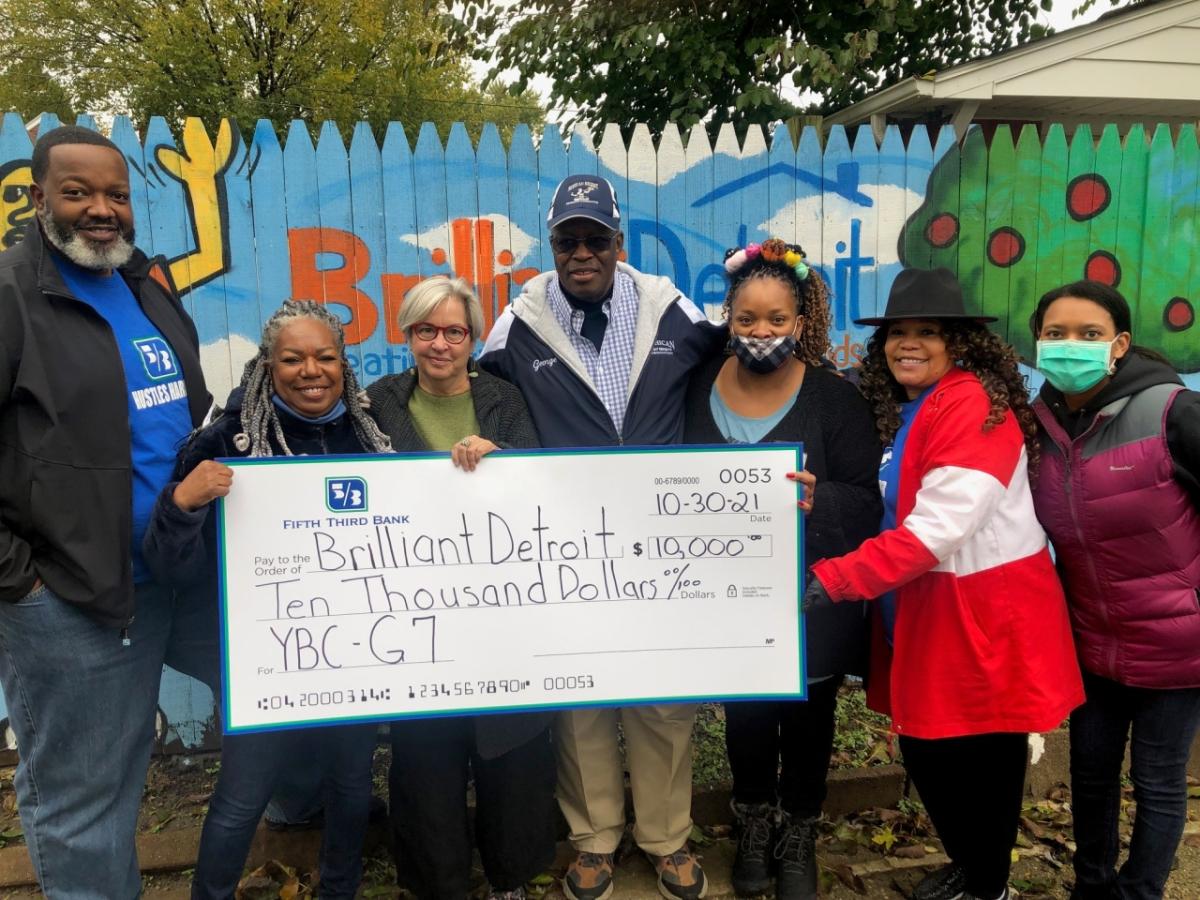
<point x="380" y="587"/>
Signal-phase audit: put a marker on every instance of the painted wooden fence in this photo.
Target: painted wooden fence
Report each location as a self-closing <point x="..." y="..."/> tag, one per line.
<point x="246" y="226"/>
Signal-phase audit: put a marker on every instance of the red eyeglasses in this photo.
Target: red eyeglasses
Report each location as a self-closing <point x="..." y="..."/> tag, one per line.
<point x="454" y="334"/>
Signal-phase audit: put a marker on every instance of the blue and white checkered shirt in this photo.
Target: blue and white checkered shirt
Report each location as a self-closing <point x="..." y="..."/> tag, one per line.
<point x="609" y="367"/>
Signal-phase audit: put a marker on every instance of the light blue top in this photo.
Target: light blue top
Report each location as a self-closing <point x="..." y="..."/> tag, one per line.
<point x="738" y="429"/>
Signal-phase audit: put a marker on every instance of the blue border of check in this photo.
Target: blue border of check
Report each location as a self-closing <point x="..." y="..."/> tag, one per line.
<point x="236" y="462"/>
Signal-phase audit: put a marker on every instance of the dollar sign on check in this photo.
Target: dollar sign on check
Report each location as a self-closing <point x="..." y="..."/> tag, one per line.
<point x="637" y="548"/>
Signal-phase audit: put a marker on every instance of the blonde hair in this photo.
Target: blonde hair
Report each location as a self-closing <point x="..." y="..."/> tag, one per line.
<point x="426" y="296"/>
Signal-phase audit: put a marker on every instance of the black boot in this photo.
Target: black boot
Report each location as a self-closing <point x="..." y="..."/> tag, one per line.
<point x="796" y="855"/>
<point x="947" y="883"/>
<point x="753" y="823"/>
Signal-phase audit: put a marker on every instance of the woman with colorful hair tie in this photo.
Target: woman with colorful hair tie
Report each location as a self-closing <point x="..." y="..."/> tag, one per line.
<point x="1119" y="494"/>
<point x="298" y="396"/>
<point x="974" y="651"/>
<point x="774" y="386"/>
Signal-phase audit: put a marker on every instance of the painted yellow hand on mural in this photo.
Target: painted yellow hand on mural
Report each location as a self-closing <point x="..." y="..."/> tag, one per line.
<point x="16" y="203"/>
<point x="198" y="167"/>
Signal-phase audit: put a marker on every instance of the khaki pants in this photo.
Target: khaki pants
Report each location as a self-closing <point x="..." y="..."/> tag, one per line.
<point x="591" y="782"/>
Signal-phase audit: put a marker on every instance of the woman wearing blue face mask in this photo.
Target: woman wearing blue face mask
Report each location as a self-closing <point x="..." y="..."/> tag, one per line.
<point x="1118" y="493"/>
<point x="774" y="386"/>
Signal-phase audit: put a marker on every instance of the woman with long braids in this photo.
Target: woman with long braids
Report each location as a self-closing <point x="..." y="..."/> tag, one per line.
<point x="298" y="395"/>
<point x="974" y="649"/>
<point x="774" y="386"/>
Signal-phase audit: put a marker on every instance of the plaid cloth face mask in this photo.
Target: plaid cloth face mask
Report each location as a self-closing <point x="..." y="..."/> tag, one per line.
<point x="763" y="355"/>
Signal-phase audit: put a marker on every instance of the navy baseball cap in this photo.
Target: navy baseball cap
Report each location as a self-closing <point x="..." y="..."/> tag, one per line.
<point x="585" y="197"/>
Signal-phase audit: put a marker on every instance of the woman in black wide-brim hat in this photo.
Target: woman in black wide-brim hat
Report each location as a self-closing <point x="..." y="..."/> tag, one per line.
<point x="973" y="649"/>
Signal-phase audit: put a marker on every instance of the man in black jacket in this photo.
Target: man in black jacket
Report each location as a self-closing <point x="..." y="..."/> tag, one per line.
<point x="100" y="381"/>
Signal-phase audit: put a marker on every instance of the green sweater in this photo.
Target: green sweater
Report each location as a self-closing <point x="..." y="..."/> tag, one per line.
<point x="443" y="421"/>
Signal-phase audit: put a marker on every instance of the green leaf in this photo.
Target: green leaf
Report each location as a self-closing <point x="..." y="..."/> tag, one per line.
<point x="672" y="60"/>
<point x="379" y="60"/>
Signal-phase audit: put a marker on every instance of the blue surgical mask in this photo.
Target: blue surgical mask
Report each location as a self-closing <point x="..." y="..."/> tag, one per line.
<point x="1075" y="366"/>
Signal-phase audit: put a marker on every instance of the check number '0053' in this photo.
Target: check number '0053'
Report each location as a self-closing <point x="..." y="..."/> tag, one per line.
<point x="568" y="682"/>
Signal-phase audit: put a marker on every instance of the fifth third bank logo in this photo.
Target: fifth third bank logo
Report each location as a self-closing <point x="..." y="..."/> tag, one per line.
<point x="157" y="358"/>
<point x="347" y="494"/>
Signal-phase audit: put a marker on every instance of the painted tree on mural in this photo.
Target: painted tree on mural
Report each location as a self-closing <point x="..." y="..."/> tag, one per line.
<point x="718" y="61"/>
<point x="373" y="60"/>
<point x="1015" y="220"/>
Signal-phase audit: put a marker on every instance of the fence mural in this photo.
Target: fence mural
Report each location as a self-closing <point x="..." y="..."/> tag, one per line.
<point x="245" y="226"/>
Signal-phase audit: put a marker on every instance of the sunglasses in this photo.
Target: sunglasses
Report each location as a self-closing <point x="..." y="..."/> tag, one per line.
<point x="597" y="243"/>
<point x="454" y="334"/>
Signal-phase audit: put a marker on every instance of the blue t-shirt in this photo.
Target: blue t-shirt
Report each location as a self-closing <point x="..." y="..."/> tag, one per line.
<point x="738" y="429"/>
<point x="889" y="488"/>
<point x="159" y="418"/>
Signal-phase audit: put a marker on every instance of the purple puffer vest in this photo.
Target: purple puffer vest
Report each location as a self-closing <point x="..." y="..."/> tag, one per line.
<point x="1127" y="538"/>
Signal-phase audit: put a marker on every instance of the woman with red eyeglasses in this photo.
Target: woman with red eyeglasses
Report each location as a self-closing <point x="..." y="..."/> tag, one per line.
<point x="445" y="403"/>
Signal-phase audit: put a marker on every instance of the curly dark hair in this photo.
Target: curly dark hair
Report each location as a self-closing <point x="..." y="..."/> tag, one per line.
<point x="811" y="295"/>
<point x="971" y="347"/>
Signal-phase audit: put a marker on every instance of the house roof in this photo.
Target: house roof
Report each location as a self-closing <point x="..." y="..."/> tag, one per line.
<point x="1139" y="62"/>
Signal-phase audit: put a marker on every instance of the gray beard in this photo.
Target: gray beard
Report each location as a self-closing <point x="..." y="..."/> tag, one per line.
<point x="80" y="251"/>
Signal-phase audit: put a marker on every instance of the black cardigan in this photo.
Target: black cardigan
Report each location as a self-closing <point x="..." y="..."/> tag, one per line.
<point x="503" y="416"/>
<point x="503" y="420"/>
<point x="835" y="424"/>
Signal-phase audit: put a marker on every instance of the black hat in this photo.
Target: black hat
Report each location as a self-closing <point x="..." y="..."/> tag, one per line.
<point x="585" y="197"/>
<point x="924" y="294"/>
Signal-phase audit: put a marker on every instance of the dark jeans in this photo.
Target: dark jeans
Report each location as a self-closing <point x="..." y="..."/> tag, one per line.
<point x="514" y="808"/>
<point x="250" y="766"/>
<point x="1163" y="724"/>
<point x="81" y="704"/>
<point x="972" y="788"/>
<point x="298" y="789"/>
<point x="780" y="750"/>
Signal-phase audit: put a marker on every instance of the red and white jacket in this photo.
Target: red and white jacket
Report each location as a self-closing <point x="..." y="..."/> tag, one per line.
<point x="982" y="641"/>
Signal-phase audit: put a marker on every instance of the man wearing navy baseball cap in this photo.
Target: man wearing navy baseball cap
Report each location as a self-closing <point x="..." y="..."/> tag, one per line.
<point x="602" y="354"/>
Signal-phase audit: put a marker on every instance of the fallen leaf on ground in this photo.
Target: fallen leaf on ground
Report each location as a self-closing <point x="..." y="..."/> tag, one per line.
<point x="1033" y="827"/>
<point x="884" y="837"/>
<point x="847" y="876"/>
<point x="270" y="880"/>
